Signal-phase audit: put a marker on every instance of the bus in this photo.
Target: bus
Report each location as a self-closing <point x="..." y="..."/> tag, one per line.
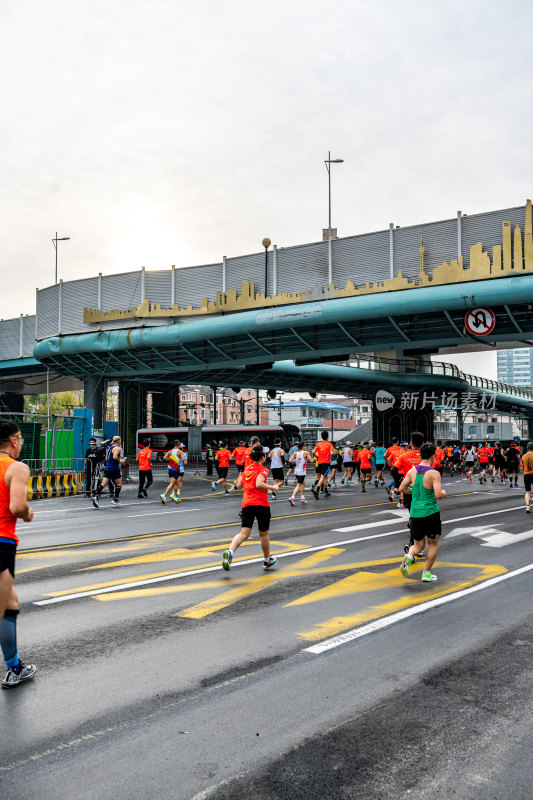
<point x="195" y="438"/>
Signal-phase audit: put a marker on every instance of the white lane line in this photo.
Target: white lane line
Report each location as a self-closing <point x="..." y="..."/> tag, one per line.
<point x="204" y="570"/>
<point x="372" y="627"/>
<point x="444" y="521"/>
<point x="166" y="511"/>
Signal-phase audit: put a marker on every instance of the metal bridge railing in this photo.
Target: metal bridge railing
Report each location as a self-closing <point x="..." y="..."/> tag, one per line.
<point x="427" y="367"/>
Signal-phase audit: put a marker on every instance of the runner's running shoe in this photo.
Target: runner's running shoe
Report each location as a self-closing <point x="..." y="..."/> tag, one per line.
<point x="315" y="493"/>
<point x="116" y="503"/>
<point x="213" y="486"/>
<point x="270" y="563"/>
<point x="226" y="560"/>
<point x="175" y="497"/>
<point x="304" y="500"/>
<point x="528" y="509"/>
<point x="291" y="501"/>
<point x="406" y="565"/>
<point x="400" y="505"/>
<point x="163" y="498"/>
<point x="145" y="493"/>
<point x="96" y="501"/>
<point x="428" y="576"/>
<point x="25" y="673"/>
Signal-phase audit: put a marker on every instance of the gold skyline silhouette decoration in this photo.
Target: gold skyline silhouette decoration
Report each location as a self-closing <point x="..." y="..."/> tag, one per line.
<point x="513" y="257"/>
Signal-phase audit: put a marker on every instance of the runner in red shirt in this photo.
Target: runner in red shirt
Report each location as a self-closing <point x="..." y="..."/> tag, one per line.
<point x="255" y="506"/>
<point x="222" y="458"/>
<point x="145" y="469"/>
<point x="253" y="441"/>
<point x="483" y="455"/>
<point x="409" y="459"/>
<point x="239" y="454"/>
<point x="13" y="506"/>
<point x="322" y="452"/>
<point x="438" y="463"/>
<point x="366" y="466"/>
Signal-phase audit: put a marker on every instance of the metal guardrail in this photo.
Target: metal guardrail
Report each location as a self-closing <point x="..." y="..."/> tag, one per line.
<point x="426" y="367"/>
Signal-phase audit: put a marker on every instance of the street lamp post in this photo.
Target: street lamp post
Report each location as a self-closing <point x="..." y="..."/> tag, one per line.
<point x="266" y="244"/>
<point x="328" y="164"/>
<point x="54" y="242"/>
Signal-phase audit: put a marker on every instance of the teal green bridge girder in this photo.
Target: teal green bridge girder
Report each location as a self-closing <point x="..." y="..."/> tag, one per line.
<point x="258" y="347"/>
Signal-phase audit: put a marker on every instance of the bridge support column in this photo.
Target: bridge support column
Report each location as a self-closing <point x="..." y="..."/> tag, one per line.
<point x="460" y="420"/>
<point x="12" y="401"/>
<point x="165" y="405"/>
<point x="401" y="423"/>
<point x="93" y="397"/>
<point x="130" y="414"/>
<point x="530" y="430"/>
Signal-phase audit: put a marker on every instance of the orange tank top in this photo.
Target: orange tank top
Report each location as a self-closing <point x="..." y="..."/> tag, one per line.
<point x="7" y="520"/>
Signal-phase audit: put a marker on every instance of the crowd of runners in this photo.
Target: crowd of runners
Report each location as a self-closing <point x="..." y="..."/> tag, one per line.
<point x="410" y="472"/>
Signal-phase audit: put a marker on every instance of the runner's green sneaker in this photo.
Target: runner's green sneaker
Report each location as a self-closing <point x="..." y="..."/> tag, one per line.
<point x="428" y="576"/>
<point x="406" y="565"/>
<point x="226" y="559"/>
<point x="270" y="563"/>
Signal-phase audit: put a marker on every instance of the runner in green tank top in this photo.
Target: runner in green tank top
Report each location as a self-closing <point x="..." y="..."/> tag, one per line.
<point x="425" y="515"/>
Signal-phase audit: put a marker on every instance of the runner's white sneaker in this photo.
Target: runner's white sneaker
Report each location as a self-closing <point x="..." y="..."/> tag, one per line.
<point x="26" y="673"/>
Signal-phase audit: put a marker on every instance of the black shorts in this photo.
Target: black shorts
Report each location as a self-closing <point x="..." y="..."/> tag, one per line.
<point x="222" y="472"/>
<point x="380" y="467"/>
<point x="278" y="474"/>
<point x="396" y="477"/>
<point x="528" y="481"/>
<point x="322" y="469"/>
<point x="366" y="470"/>
<point x="301" y="478"/>
<point x="259" y="513"/>
<point x="407" y="498"/>
<point x="512" y="466"/>
<point x="7" y="557"/>
<point x="112" y="474"/>
<point x="426" y="526"/>
<point x="240" y="468"/>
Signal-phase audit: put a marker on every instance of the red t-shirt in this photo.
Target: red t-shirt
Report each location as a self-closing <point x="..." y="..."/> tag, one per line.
<point x="247" y="459"/>
<point x="7" y="520"/>
<point x="483" y="455"/>
<point x="407" y="460"/>
<point x="223" y="456"/>
<point x="364" y="457"/>
<point x="143" y="458"/>
<point x="252" y="496"/>
<point x="439" y="457"/>
<point x="392" y="453"/>
<point x="323" y="451"/>
<point x="239" y="454"/>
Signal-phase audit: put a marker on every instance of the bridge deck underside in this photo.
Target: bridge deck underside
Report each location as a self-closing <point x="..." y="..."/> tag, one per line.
<point x="423" y="332"/>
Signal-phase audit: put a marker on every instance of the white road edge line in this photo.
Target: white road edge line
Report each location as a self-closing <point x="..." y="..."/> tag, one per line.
<point x="372" y="627"/>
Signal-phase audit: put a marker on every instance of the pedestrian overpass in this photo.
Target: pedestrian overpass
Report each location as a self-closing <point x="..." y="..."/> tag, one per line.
<point x="406" y="293"/>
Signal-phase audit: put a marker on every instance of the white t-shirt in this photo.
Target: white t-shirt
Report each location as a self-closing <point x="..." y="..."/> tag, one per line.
<point x="300" y="463"/>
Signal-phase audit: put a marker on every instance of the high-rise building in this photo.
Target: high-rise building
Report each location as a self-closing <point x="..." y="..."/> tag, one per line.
<point x="516" y="366"/>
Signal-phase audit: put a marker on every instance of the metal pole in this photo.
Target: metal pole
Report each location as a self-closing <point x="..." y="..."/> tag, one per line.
<point x="257" y="407"/>
<point x="330" y="256"/>
<point x="55" y="244"/>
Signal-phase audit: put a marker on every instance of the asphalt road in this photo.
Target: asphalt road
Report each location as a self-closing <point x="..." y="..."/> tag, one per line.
<point x="161" y="675"/>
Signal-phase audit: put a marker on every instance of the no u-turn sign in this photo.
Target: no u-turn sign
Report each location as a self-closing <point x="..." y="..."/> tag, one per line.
<point x="480" y="321"/>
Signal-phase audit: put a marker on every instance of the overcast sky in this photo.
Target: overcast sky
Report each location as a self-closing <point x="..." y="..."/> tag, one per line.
<point x="171" y="132"/>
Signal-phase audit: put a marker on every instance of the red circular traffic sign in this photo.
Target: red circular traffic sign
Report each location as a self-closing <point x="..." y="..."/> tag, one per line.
<point x="480" y="321"/>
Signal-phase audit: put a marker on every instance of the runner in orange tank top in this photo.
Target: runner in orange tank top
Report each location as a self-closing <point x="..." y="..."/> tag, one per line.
<point x="13" y="506"/>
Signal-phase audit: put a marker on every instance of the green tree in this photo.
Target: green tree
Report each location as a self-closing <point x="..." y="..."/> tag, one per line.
<point x="60" y="403"/>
